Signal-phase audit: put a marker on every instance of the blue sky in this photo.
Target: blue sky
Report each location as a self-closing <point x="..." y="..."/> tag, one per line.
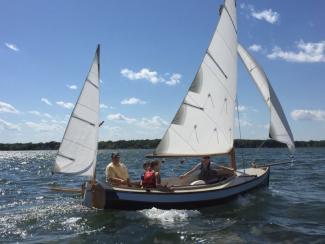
<point x="151" y="51"/>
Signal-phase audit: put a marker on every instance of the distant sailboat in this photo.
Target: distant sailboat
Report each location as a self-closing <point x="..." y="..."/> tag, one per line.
<point x="202" y="126"/>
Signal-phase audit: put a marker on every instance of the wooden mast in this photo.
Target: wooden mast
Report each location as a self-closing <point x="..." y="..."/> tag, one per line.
<point x="232" y="158"/>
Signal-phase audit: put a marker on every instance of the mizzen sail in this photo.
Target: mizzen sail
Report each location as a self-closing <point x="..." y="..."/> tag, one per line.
<point x="78" y="151"/>
<point x="204" y="123"/>
<point x="279" y="127"/>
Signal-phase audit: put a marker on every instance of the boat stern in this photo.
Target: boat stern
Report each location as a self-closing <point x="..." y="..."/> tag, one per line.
<point x="94" y="195"/>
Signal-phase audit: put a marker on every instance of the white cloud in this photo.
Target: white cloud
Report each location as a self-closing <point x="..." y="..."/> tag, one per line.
<point x="243" y="122"/>
<point x="304" y="114"/>
<point x="12" y="46"/>
<point x="241" y="108"/>
<point x="153" y="123"/>
<point x="44" y="127"/>
<point x="112" y="128"/>
<point x="268" y="15"/>
<point x="308" y="52"/>
<point x="72" y="87"/>
<point x="65" y="104"/>
<point x="8" y="108"/>
<point x="34" y="113"/>
<point x="8" y="126"/>
<point x="143" y="74"/>
<point x="120" y="117"/>
<point x="45" y="100"/>
<point x="103" y="106"/>
<point x="132" y="101"/>
<point x="47" y="115"/>
<point x="255" y="48"/>
<point x="173" y="79"/>
<point x="37" y="113"/>
<point x="152" y="76"/>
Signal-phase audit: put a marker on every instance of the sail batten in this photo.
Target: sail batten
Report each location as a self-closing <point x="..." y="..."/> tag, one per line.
<point x="77" y="154"/>
<point x="279" y="127"/>
<point x="203" y="125"/>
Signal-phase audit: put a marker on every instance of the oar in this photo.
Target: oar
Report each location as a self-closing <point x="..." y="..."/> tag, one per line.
<point x="67" y="190"/>
<point x="273" y="164"/>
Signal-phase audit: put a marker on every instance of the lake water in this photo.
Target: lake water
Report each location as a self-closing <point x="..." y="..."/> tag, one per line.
<point x="291" y="210"/>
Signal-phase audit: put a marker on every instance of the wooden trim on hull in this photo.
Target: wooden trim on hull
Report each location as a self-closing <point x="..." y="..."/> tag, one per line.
<point x="127" y="200"/>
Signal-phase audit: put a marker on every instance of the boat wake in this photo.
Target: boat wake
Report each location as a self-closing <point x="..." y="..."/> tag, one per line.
<point x="169" y="217"/>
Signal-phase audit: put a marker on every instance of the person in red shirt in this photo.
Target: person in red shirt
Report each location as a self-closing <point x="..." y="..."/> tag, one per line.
<point x="151" y="177"/>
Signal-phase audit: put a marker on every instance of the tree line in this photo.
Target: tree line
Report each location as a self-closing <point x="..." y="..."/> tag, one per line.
<point x="147" y="144"/>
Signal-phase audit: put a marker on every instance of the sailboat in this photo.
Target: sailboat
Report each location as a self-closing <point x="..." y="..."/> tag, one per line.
<point x="203" y="126"/>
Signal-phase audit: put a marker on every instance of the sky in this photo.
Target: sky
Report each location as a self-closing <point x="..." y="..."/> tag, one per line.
<point x="150" y="52"/>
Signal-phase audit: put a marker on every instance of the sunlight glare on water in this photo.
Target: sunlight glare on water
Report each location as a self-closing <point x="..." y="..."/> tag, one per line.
<point x="292" y="209"/>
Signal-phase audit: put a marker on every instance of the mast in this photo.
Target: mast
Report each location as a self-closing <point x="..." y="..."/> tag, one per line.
<point x="98" y="61"/>
<point x="232" y="157"/>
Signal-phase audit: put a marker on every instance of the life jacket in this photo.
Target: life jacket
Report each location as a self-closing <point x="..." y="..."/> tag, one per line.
<point x="149" y="179"/>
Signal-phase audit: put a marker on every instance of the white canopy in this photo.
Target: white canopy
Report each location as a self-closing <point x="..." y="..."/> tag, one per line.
<point x="78" y="151"/>
<point x="204" y="123"/>
<point x="279" y="127"/>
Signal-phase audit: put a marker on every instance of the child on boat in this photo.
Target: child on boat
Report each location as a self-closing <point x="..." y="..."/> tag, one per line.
<point x="148" y="180"/>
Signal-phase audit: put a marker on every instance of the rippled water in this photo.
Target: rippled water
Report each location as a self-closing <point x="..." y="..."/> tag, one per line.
<point x="292" y="209"/>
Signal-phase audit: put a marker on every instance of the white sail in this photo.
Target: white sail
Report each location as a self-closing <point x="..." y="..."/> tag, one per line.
<point x="78" y="151"/>
<point x="204" y="123"/>
<point x="279" y="127"/>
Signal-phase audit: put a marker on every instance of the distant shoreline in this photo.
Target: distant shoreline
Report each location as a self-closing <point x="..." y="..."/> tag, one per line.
<point x="149" y="144"/>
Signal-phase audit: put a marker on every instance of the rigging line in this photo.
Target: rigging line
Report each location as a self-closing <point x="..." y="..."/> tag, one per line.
<point x="240" y="135"/>
<point x="257" y="149"/>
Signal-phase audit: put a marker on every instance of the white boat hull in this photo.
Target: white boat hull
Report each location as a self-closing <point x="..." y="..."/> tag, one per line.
<point x="104" y="196"/>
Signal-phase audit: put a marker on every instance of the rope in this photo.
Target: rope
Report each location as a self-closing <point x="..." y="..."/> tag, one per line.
<point x="257" y="149"/>
<point x="240" y="137"/>
<point x="292" y="161"/>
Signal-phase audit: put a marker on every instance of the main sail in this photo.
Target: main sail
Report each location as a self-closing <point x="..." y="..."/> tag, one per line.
<point x="78" y="151"/>
<point x="279" y="128"/>
<point x="204" y="123"/>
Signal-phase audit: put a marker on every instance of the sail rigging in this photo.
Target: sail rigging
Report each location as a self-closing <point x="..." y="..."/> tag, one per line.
<point x="203" y="124"/>
<point x="279" y="128"/>
<point x="78" y="150"/>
